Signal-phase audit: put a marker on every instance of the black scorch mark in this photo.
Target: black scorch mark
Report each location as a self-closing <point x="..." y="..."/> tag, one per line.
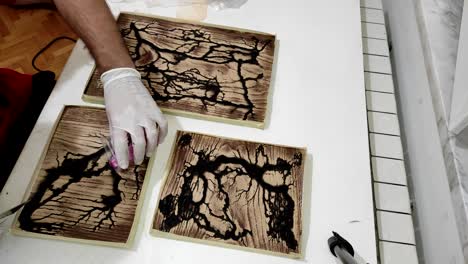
<point x="210" y="176"/>
<point x="73" y="169"/>
<point x="156" y="63"/>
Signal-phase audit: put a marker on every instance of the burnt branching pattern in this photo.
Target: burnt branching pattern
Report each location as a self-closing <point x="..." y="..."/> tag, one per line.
<point x="212" y="186"/>
<point x="74" y="168"/>
<point x="200" y="69"/>
<point x="77" y="194"/>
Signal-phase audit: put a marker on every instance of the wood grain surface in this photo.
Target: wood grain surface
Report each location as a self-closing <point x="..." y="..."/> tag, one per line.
<point x="233" y="192"/>
<point x="76" y="194"/>
<point x="192" y="68"/>
<point x="24" y="31"/>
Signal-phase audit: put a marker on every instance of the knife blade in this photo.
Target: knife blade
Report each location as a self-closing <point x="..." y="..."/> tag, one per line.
<point x="13" y="210"/>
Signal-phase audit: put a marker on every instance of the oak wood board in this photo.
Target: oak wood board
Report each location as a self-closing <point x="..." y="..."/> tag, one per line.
<point x="75" y="195"/>
<point x="198" y="70"/>
<point x="232" y="193"/>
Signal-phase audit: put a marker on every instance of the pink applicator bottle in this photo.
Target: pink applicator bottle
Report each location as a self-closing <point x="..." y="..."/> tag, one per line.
<point x="111" y="154"/>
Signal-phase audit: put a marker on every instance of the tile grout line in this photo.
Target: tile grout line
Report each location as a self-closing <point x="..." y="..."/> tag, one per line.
<point x="391" y="211"/>
<point x="390" y="183"/>
<point x="384" y="134"/>
<point x="390" y="158"/>
<point x="382" y="112"/>
<point x="367" y="37"/>
<point x="372" y="8"/>
<point x="369" y="90"/>
<point x="397" y="242"/>
<point x="375" y="23"/>
<point x="378" y="55"/>
<point x="383" y="73"/>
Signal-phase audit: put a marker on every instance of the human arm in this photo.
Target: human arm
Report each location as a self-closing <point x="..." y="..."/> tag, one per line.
<point x="130" y="108"/>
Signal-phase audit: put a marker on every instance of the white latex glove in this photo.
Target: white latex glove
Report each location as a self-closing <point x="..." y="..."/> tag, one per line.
<point x="132" y="111"/>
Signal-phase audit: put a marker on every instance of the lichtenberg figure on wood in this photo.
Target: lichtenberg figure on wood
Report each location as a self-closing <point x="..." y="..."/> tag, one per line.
<point x="199" y="69"/>
<point x="77" y="194"/>
<point x="236" y="192"/>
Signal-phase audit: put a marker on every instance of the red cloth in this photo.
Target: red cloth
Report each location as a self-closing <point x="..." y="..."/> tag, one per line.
<point x="15" y="92"/>
<point x="7" y="2"/>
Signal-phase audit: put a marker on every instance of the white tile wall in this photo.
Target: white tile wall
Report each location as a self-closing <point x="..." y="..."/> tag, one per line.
<point x="391" y="197"/>
<point x="386" y="146"/>
<point x="383" y="123"/>
<point x="375" y="46"/>
<point x="371" y="30"/>
<point x="381" y="102"/>
<point x="394" y="253"/>
<point x="392" y="203"/>
<point x="371" y="4"/>
<point x="372" y="16"/>
<point x="389" y="170"/>
<point x="395" y="227"/>
<point x="377" y="64"/>
<point x="379" y="82"/>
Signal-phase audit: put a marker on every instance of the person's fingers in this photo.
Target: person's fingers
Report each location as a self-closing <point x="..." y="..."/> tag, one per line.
<point x="158" y="117"/>
<point x="120" y="145"/>
<point x="139" y="145"/>
<point x="151" y="132"/>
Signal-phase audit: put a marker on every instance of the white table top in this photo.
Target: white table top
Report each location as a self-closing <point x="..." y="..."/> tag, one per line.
<point x="318" y="102"/>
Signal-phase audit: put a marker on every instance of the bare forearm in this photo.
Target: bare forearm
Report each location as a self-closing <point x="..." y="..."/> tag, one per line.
<point x="94" y="23"/>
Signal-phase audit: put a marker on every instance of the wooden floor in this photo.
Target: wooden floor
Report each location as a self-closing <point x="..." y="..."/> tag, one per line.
<point x="23" y="32"/>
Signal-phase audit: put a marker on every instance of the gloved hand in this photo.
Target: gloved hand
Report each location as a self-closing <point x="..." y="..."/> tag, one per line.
<point x="131" y="110"/>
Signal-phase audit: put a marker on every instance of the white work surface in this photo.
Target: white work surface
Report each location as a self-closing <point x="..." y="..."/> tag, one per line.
<point x="317" y="101"/>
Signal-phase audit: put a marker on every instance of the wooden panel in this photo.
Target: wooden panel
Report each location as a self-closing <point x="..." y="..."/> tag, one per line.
<point x="372" y="16"/>
<point x="386" y="146"/>
<point x="391" y="197"/>
<point x="370" y="30"/>
<point x="383" y="123"/>
<point x="394" y="253"/>
<point x="381" y="102"/>
<point x="233" y="192"/>
<point x="395" y="227"/>
<point x="198" y="69"/>
<point x="379" y="82"/>
<point x="76" y="194"/>
<point x="377" y="64"/>
<point x="375" y="46"/>
<point x="388" y="170"/>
